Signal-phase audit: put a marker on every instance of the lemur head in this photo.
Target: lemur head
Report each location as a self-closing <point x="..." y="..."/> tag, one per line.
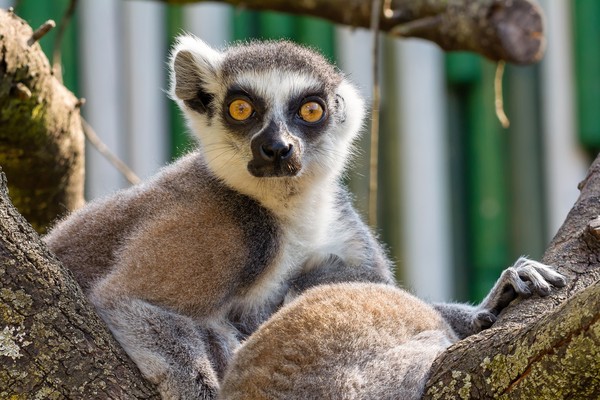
<point x="265" y="112"/>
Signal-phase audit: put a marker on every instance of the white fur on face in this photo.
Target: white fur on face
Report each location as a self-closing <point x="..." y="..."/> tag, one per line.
<point x="228" y="155"/>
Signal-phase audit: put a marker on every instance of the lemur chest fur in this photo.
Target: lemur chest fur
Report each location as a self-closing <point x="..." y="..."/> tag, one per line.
<point x="214" y="246"/>
<point x="304" y="235"/>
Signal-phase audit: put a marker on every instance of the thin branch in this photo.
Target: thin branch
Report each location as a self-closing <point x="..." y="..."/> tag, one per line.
<point x="374" y="156"/>
<point x="56" y="53"/>
<point x="41" y="31"/>
<point x="103" y="149"/>
<point x="499" y="102"/>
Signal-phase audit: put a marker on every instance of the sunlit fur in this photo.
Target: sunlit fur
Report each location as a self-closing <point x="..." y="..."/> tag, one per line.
<point x="357" y="341"/>
<point x="185" y="265"/>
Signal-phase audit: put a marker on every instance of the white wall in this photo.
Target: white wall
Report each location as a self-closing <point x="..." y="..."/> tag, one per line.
<point x="211" y="22"/>
<point x="145" y="71"/>
<point x="424" y="169"/>
<point x="104" y="88"/>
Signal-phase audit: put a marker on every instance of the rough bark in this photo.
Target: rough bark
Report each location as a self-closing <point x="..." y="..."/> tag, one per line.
<point x="510" y="30"/>
<point x="52" y="344"/>
<point x="540" y="348"/>
<point x="41" y="138"/>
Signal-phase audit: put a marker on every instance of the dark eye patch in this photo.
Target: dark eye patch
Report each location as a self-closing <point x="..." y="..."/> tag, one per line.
<point x="309" y="130"/>
<point x="246" y="127"/>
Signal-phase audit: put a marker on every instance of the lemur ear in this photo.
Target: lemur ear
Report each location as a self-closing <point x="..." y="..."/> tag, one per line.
<point x="194" y="67"/>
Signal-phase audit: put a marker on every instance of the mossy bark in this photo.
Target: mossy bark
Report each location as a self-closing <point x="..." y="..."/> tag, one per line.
<point x="542" y="348"/>
<point x="52" y="343"/>
<point x="41" y="138"/>
<point x="510" y="30"/>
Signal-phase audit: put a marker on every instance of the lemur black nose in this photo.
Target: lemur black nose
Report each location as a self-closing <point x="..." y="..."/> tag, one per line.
<point x="276" y="150"/>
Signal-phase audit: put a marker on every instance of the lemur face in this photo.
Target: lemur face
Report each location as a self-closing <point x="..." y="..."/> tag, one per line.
<point x="266" y="109"/>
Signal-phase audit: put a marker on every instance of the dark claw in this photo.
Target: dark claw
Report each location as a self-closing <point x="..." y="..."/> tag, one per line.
<point x="542" y="290"/>
<point x="484" y="320"/>
<point x="524" y="291"/>
<point x="559" y="281"/>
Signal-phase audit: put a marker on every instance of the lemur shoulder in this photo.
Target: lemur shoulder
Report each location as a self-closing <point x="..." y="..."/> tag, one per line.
<point x="185" y="266"/>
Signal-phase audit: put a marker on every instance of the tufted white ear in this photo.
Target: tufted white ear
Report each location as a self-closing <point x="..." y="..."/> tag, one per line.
<point x="194" y="65"/>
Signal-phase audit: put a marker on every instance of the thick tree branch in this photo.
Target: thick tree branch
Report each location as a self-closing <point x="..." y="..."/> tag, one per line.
<point x="510" y="30"/>
<point x="41" y="139"/>
<point x="52" y="343"/>
<point x="537" y="350"/>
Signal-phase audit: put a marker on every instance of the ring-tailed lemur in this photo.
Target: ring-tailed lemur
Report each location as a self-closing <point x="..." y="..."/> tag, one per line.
<point x="183" y="266"/>
<point x="186" y="265"/>
<point x="359" y="341"/>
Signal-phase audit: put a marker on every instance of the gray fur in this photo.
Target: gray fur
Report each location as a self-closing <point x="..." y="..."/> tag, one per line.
<point x="187" y="264"/>
<point x="264" y="56"/>
<point x="365" y="341"/>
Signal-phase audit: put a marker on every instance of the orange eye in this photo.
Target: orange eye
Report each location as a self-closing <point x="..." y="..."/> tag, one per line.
<point x="240" y="110"/>
<point x="311" y="111"/>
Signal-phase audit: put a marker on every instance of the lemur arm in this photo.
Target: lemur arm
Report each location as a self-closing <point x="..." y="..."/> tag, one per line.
<point x="524" y="278"/>
<point x="184" y="358"/>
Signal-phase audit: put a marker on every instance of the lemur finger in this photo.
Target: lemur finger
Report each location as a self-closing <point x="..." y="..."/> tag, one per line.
<point x="536" y="280"/>
<point x="513" y="278"/>
<point x="548" y="273"/>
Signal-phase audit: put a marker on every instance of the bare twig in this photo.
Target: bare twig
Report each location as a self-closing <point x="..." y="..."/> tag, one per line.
<point x="374" y="156"/>
<point x="56" y="53"/>
<point x="103" y="149"/>
<point x="499" y="97"/>
<point x="41" y="31"/>
<point x="22" y="91"/>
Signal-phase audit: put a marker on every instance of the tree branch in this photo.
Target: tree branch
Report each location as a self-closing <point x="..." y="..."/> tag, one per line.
<point x="52" y="343"/>
<point x="538" y="349"/>
<point x="510" y="30"/>
<point x="41" y="139"/>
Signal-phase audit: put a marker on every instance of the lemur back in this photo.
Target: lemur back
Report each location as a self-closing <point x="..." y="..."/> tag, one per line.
<point x="343" y="341"/>
<point x="164" y="227"/>
<point x="187" y="264"/>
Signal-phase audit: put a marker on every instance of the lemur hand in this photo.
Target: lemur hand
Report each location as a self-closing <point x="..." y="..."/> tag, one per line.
<point x="524" y="278"/>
